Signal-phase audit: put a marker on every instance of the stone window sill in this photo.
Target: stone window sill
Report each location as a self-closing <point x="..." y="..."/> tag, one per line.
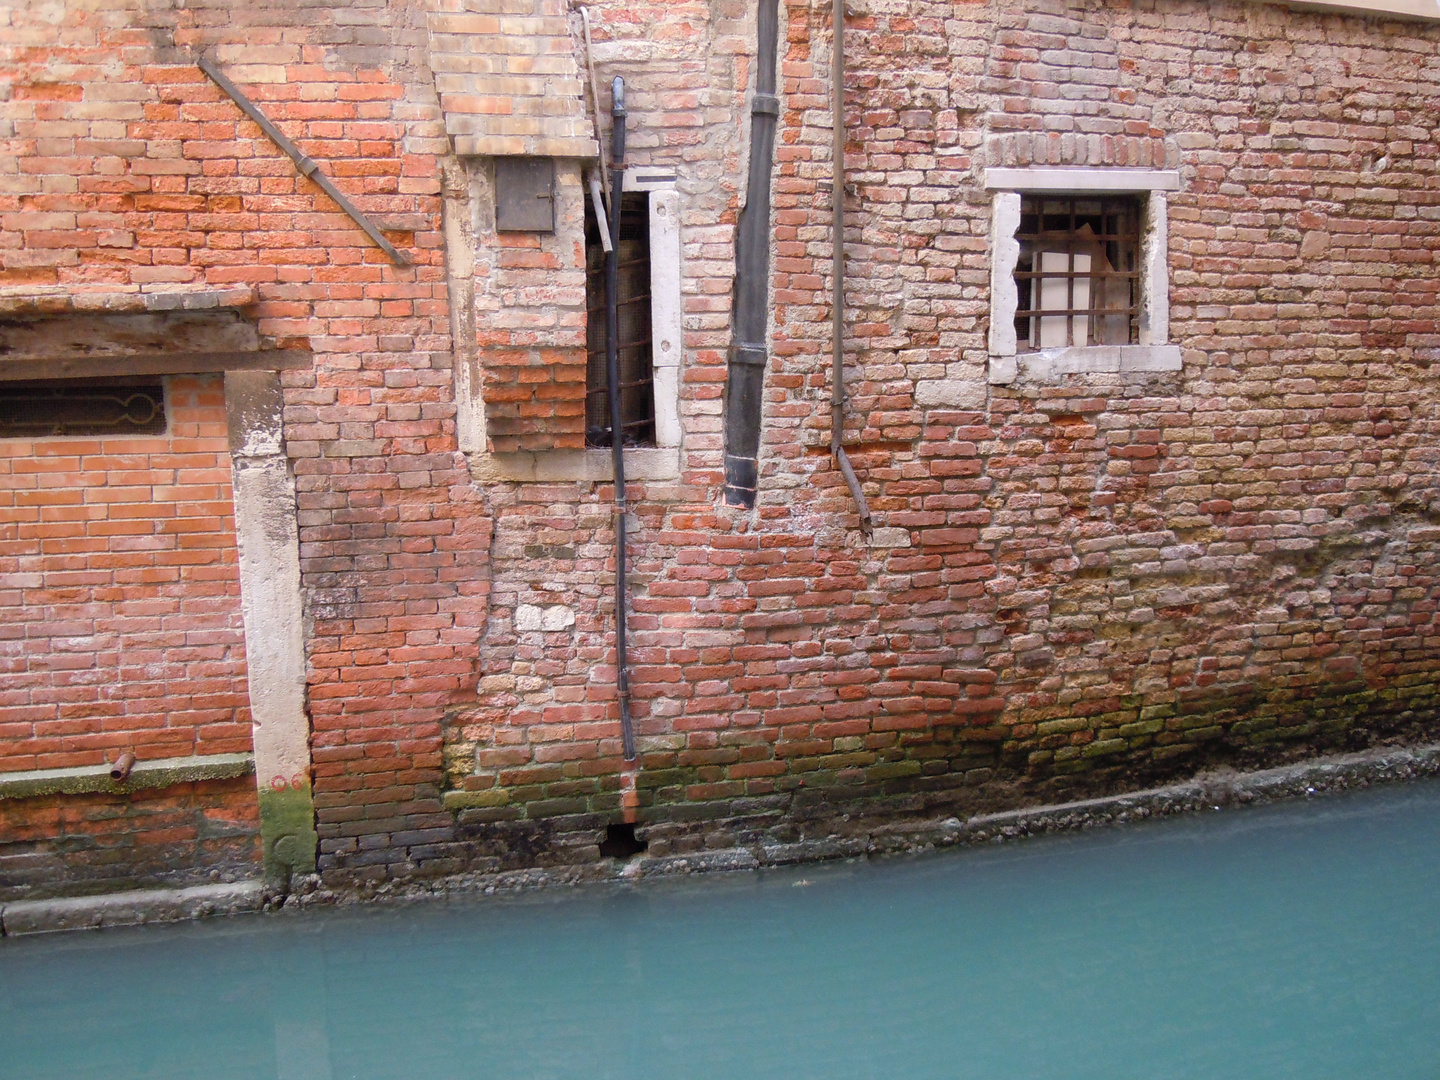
<point x="1047" y="365"/>
<point x="561" y="466"/>
<point x="163" y="772"/>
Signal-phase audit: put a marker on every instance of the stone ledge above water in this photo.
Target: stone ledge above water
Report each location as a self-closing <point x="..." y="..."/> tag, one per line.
<point x="131" y="908"/>
<point x="83" y="779"/>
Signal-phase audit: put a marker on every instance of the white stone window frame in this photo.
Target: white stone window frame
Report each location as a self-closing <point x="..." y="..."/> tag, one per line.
<point x="658" y="462"/>
<point x="1154" y="352"/>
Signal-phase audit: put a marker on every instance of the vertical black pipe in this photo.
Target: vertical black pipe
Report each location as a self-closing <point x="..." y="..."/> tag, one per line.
<point x="745" y="382"/>
<point x="612" y="389"/>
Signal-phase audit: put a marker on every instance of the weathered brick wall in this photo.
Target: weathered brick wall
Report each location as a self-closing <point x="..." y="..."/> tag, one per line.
<point x="184" y="834"/>
<point x="120" y="630"/>
<point x="1078" y="586"/>
<point x="1074" y="587"/>
<point x="530" y="313"/>
<point x="1102" y="576"/>
<point x="545" y="731"/>
<point x="508" y="79"/>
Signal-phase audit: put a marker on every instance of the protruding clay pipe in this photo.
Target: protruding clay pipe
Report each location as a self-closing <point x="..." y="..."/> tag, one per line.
<point x="120" y="770"/>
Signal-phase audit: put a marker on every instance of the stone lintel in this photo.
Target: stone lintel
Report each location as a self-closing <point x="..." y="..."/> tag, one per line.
<point x="1396" y="9"/>
<point x="65" y="299"/>
<point x="526" y="146"/>
<point x="1082" y="178"/>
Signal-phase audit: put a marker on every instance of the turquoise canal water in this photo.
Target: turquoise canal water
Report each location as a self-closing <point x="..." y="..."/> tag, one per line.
<point x="1298" y="940"/>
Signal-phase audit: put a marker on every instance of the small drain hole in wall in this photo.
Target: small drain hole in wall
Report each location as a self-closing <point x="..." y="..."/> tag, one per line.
<point x="620" y="842"/>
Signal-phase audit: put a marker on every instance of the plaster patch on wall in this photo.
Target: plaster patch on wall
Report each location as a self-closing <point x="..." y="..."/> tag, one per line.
<point x="531" y="617"/>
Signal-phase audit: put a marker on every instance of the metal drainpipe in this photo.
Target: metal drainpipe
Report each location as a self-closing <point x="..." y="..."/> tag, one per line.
<point x="745" y="379"/>
<point x="837" y="301"/>
<point x="612" y="389"/>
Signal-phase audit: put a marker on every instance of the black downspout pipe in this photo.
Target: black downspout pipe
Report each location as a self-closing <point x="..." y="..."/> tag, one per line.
<point x="612" y="390"/>
<point x="745" y="381"/>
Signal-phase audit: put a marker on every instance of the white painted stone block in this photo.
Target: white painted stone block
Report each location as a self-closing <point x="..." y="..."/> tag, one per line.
<point x="1004" y="255"/>
<point x="890" y="538"/>
<point x="957" y="393"/>
<point x="530" y="618"/>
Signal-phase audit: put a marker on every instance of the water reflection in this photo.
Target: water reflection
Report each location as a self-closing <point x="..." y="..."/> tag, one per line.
<point x="298" y="977"/>
<point x="1282" y="942"/>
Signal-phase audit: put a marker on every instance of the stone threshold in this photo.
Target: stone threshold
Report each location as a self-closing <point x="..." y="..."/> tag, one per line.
<point x="161" y="772"/>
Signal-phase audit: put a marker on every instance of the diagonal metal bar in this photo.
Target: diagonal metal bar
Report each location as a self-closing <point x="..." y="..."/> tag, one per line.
<point x="307" y="165"/>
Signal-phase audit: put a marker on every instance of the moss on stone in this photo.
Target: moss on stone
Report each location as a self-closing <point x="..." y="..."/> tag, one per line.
<point x="287" y="831"/>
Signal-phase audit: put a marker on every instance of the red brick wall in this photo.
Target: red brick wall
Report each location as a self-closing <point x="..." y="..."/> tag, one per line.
<point x="119" y="594"/>
<point x="1082" y="586"/>
<point x="185" y="834"/>
<point x="120" y="630"/>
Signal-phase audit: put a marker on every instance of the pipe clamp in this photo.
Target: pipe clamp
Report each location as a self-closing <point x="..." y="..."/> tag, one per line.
<point x="748" y="354"/>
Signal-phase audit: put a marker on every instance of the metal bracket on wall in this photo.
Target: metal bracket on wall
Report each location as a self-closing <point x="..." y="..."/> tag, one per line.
<point x="307" y="165"/>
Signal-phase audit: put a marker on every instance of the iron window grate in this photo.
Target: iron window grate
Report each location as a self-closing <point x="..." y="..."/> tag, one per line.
<point x="48" y="409"/>
<point x="637" y="392"/>
<point x="1078" y="275"/>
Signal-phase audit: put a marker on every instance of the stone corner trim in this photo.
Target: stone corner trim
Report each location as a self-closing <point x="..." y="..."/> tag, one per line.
<point x="82" y="779"/>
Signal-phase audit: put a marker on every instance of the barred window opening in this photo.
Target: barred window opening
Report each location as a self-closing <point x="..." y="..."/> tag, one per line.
<point x="637" y="394"/>
<point x="88" y="407"/>
<point x="1078" y="275"/>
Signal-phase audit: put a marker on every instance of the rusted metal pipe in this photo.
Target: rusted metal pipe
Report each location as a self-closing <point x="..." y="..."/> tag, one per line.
<point x="120" y="768"/>
<point x="745" y="377"/>
<point x="307" y="165"/>
<point x="837" y="300"/>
